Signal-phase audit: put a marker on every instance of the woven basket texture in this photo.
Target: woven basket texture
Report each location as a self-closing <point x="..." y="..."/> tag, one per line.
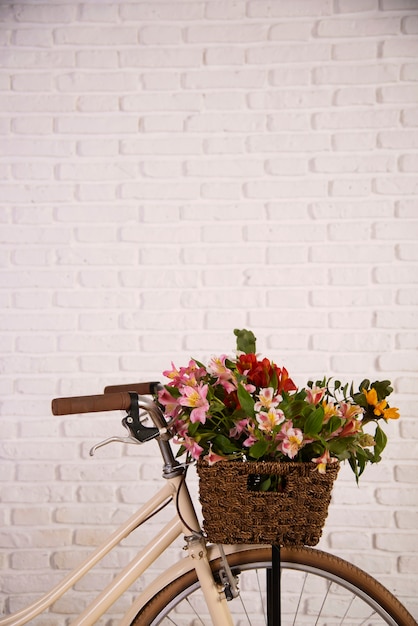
<point x="293" y="517"/>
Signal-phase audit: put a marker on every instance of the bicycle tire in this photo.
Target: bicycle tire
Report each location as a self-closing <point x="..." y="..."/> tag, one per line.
<point x="349" y="585"/>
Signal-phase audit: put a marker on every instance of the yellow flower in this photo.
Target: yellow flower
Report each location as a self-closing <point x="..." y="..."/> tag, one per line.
<point x="391" y="414"/>
<point x="371" y="396"/>
<point x="380" y="408"/>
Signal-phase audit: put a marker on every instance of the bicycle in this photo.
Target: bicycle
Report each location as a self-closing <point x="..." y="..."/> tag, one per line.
<point x="230" y="585"/>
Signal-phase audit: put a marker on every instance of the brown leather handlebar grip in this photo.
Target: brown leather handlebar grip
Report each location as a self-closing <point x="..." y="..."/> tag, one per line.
<point x="141" y="388"/>
<point x="91" y="404"/>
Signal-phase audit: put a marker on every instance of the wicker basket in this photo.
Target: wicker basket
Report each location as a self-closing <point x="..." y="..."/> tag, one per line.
<point x="294" y="516"/>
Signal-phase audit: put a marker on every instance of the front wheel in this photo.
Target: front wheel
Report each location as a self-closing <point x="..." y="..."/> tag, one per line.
<point x="316" y="589"/>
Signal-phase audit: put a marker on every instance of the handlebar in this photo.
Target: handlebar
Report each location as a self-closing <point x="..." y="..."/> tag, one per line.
<point x="142" y="389"/>
<point x="91" y="404"/>
<point x="120" y="397"/>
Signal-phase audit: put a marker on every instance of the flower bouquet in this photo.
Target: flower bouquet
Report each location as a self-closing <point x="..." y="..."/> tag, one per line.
<point x="243" y="417"/>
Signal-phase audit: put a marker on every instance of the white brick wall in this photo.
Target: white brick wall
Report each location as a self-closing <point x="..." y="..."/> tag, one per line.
<point x="170" y="171"/>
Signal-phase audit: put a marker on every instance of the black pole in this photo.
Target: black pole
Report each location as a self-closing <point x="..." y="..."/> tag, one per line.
<point x="273" y="588"/>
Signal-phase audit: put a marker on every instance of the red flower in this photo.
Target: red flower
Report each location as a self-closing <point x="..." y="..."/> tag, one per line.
<point x="261" y="373"/>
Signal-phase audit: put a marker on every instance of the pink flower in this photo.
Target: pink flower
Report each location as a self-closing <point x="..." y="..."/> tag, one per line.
<point x="292" y="440"/>
<point x="267" y="400"/>
<point x="323" y="460"/>
<point x="192" y="447"/>
<point x="189" y="375"/>
<point x="350" y="411"/>
<point x="212" y="458"/>
<point x="171" y="404"/>
<point x="195" y="397"/>
<point x="226" y="377"/>
<point x="315" y="394"/>
<point x="267" y="420"/>
<point x="239" y="428"/>
<point x="251" y="439"/>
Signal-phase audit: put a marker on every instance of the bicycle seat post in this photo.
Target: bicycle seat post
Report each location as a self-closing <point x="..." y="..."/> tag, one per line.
<point x="273" y="588"/>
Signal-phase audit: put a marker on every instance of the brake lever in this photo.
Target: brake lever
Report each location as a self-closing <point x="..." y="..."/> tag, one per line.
<point x="128" y="439"/>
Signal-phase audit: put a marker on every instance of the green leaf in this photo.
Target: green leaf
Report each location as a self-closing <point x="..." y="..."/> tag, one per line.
<point x="334" y="424"/>
<point x="314" y="422"/>
<point x="246" y="401"/>
<point x="381" y="441"/>
<point x="258" y="449"/>
<point x="224" y="445"/>
<point x="266" y="484"/>
<point x="383" y="388"/>
<point x="245" y="341"/>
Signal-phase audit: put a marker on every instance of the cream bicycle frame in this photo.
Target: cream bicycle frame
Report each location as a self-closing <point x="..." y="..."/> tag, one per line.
<point x="197" y="559"/>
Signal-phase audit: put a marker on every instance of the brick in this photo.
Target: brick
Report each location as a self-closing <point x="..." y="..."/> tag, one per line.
<point x="31" y="82"/>
<point x="286" y="166"/>
<point x="162" y="123"/>
<point x="286" y="142"/>
<point x="356" y="119"/>
<point x="97" y="147"/>
<point x="407" y="229"/>
<point x="161" y="34"/>
<point x="44" y="147"/>
<point x="355" y="74"/>
<point x="287" y="121"/>
<point x="398" y="139"/>
<point x="243" y="168"/>
<point x="400" y="47"/>
<point x="160" y="102"/>
<point x="39" y="37"/>
<point x="32" y="126"/>
<point x="18" y="102"/>
<point x="298" y="8"/>
<point x="299" y="31"/>
<point x="222" y="101"/>
<point x="176" y="144"/>
<point x="85" y="82"/>
<point x="96" y="171"/>
<point x="97" y="59"/>
<point x="227" y="32"/>
<point x="409" y="71"/>
<point x="410" y="24"/>
<point x="98" y="13"/>
<point x="408" y="297"/>
<point x="92" y="102"/>
<point x="391" y="319"/>
<point x="161" y="81"/>
<point x="353" y="163"/>
<point x="32" y="171"/>
<point x="402" y="94"/>
<point x="176" y="57"/>
<point x="348" y="96"/>
<point x="396" y="185"/>
<point x="44" y="13"/>
<point x="354" y="319"/>
<point x="149" y="11"/>
<point x="354" y="141"/>
<point x="362" y="27"/>
<point x="396" y="542"/>
<point x="356" y="6"/>
<point x="144" y="191"/>
<point x="220" y="10"/>
<point x="294" y="75"/>
<point x="238" y="79"/>
<point x="350" y="187"/>
<point x="290" y="99"/>
<point x="290" y="53"/>
<point x="39" y="59"/>
<point x="95" y="35"/>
